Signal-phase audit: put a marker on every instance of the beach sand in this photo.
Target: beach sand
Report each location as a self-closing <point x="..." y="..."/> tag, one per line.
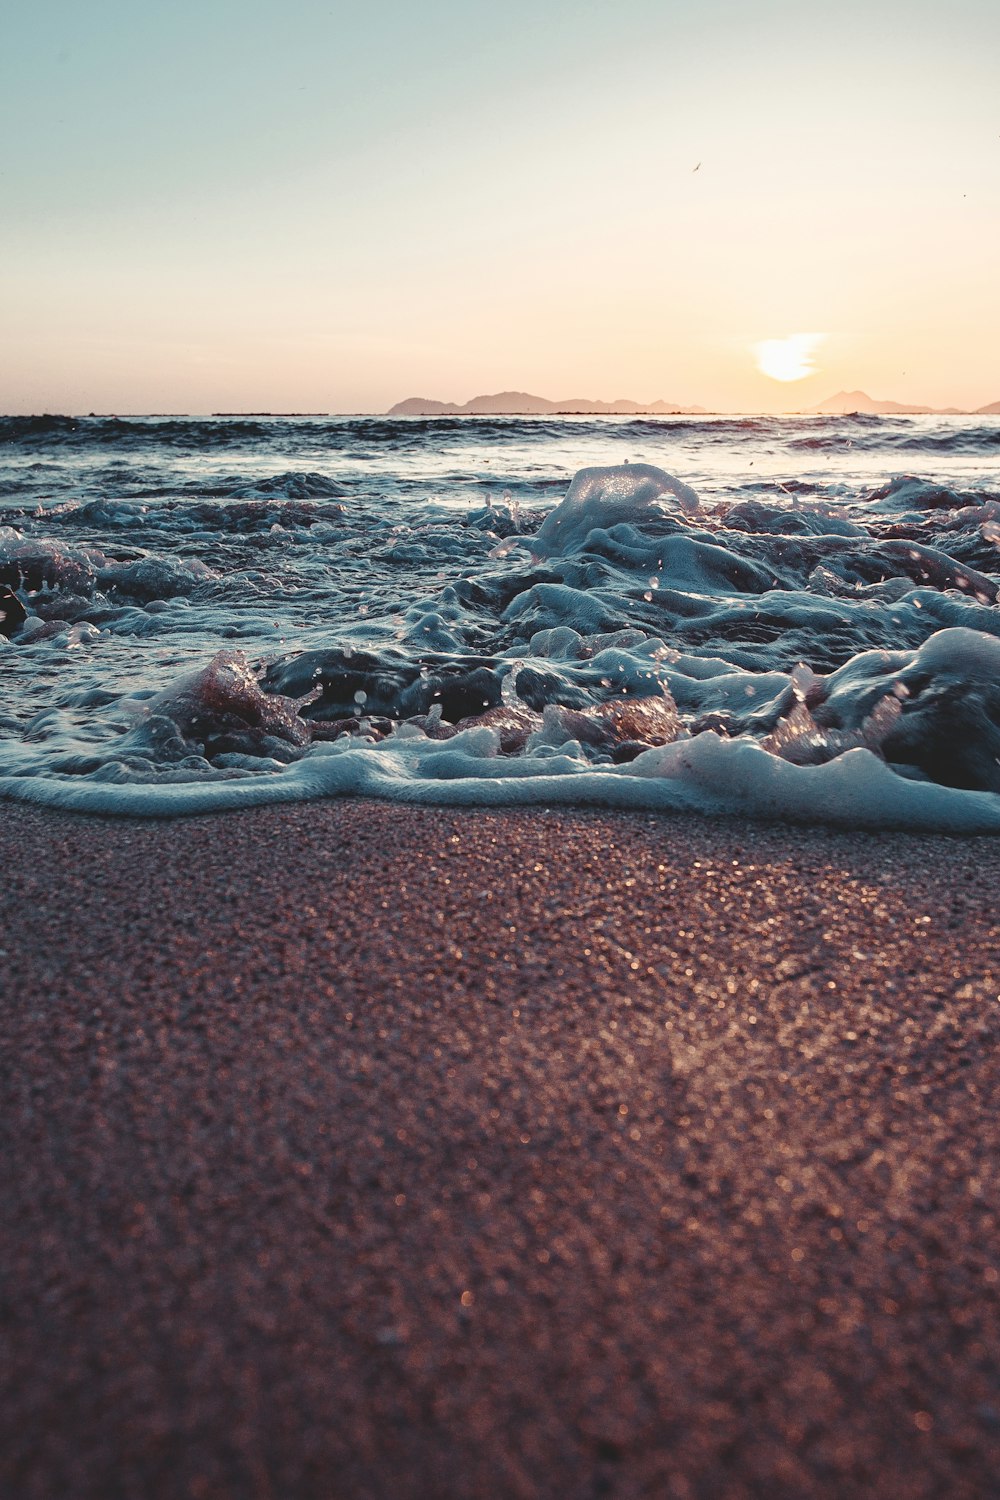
<point x="352" y="1150"/>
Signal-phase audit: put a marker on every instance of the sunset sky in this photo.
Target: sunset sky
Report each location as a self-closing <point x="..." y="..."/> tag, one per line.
<point x="233" y="206"/>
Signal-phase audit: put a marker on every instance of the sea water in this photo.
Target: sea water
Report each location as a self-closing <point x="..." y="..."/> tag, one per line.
<point x="789" y="617"/>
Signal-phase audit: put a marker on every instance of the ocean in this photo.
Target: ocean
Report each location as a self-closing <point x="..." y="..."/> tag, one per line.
<point x="783" y="617"/>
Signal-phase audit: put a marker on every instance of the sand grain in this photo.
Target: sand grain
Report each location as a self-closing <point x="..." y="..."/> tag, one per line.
<point x="351" y="1150"/>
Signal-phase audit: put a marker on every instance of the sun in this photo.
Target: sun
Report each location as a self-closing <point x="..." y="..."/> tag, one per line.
<point x="790" y="358"/>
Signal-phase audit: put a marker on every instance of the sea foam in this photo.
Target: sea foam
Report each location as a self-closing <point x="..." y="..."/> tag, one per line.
<point x="208" y="628"/>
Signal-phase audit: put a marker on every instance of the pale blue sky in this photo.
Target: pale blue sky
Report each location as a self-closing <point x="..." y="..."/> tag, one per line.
<point x="221" y="206"/>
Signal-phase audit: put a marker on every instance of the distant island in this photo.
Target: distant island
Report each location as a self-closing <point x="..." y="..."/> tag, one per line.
<point x="521" y="404"/>
<point x="845" y="403"/>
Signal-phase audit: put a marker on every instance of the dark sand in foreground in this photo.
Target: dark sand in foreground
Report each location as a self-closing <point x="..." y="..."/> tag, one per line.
<point x="351" y="1150"/>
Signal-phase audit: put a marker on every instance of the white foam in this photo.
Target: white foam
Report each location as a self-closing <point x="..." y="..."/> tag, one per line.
<point x="120" y="700"/>
<point x="603" y="497"/>
<point x="708" y="774"/>
<point x="961" y="653"/>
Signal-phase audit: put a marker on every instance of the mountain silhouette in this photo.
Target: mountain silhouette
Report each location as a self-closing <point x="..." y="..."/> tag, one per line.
<point x="847" y="402"/>
<point x="521" y="403"/>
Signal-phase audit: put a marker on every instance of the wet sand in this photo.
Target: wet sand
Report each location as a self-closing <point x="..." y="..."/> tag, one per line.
<point x="361" y="1151"/>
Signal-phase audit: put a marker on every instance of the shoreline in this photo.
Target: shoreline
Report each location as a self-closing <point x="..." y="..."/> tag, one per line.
<point x="363" y="1149"/>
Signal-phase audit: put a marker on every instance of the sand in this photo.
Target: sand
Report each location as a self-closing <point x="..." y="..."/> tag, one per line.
<point x="358" y="1151"/>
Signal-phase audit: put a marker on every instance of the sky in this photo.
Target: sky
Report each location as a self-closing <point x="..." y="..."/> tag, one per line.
<point x="329" y="207"/>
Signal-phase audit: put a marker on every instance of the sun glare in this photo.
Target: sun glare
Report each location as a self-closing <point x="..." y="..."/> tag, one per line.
<point x="790" y="358"/>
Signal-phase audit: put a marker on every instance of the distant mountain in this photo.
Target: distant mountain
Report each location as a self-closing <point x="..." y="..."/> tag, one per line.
<point x="520" y="403"/>
<point x="848" y="402"/>
<point x="423" y="406"/>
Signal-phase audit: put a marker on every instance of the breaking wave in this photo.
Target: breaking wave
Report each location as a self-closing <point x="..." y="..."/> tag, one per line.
<point x="731" y="637"/>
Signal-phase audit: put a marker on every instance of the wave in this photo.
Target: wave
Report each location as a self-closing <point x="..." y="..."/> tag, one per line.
<point x="707" y="774"/>
<point x="636" y="645"/>
<point x="901" y="435"/>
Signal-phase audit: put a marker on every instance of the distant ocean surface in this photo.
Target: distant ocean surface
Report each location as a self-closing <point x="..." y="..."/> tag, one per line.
<point x="786" y="617"/>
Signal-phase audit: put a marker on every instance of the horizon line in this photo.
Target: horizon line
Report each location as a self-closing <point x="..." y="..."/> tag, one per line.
<point x="121" y="415"/>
